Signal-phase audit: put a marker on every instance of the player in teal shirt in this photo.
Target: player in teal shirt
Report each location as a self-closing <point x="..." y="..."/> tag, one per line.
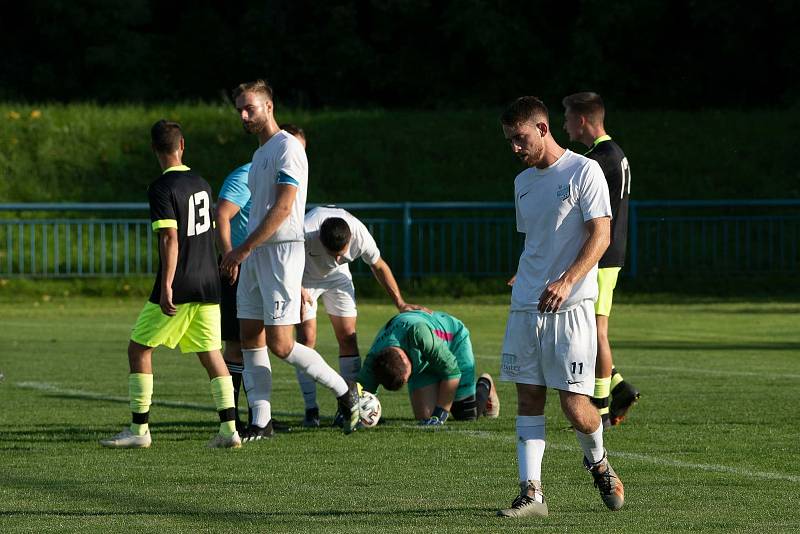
<point x="432" y="352"/>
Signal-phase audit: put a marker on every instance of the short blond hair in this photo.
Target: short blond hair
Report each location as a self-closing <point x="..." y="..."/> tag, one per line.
<point x="259" y="86"/>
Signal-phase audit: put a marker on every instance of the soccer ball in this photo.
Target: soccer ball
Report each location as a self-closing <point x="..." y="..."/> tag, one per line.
<point x="369" y="409"/>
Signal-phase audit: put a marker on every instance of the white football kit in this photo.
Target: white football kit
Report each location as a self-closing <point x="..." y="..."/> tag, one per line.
<point x="556" y="350"/>
<point x="323" y="276"/>
<point x="270" y="278"/>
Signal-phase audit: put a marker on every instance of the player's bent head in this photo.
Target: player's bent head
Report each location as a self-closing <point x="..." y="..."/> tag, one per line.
<point x="295" y="130"/>
<point x="587" y="104"/>
<point x="334" y="233"/>
<point x="166" y="136"/>
<point x="525" y="109"/>
<point x="259" y="87"/>
<point x="391" y="368"/>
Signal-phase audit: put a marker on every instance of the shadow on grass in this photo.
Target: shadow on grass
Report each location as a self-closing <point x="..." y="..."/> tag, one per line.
<point x="697" y="345"/>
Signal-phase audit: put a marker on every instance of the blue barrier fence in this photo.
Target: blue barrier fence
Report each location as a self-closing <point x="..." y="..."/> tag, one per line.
<point x="720" y="237"/>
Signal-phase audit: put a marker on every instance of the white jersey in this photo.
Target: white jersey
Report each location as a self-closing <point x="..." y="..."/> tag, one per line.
<point x="321" y="267"/>
<point x="552" y="206"/>
<point x="281" y="160"/>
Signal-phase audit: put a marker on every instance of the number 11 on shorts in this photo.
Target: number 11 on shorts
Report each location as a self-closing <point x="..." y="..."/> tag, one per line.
<point x="577" y="366"/>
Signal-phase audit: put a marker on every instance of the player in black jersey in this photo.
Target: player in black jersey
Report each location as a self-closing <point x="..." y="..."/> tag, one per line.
<point x="584" y="122"/>
<point x="184" y="305"/>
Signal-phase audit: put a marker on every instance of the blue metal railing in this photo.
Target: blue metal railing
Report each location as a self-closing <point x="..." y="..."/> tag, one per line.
<point x="421" y="239"/>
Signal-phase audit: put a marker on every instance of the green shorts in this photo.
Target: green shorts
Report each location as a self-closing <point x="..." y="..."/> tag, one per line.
<point x="606" y="282"/>
<point x="462" y="350"/>
<point x="195" y="327"/>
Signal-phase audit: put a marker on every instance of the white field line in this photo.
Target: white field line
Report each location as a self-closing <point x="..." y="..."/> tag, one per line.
<point x="682" y="370"/>
<point x="482" y="434"/>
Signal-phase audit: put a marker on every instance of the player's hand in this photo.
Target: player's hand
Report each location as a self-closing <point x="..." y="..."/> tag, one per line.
<point x="410" y="307"/>
<point x="305" y="297"/>
<point x="226" y="275"/>
<point x="167" y="307"/>
<point x="554" y="296"/>
<point x="232" y="260"/>
<point x="511" y="280"/>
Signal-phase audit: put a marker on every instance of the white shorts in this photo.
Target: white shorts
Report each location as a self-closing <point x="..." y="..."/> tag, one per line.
<point x="556" y="350"/>
<point x="339" y="299"/>
<point x="269" y="284"/>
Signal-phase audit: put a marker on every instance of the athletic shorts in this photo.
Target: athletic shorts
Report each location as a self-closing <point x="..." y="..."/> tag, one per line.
<point x="606" y="282"/>
<point x="269" y="284"/>
<point x="227" y="306"/>
<point x="339" y="299"/>
<point x="194" y="328"/>
<point x="556" y="350"/>
<point x="461" y="347"/>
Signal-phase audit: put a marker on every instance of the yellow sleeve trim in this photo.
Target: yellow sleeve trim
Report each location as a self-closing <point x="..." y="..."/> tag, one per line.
<point x="164" y="223"/>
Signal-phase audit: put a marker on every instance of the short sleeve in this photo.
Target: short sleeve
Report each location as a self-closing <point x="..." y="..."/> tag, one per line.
<point x="162" y="211"/>
<point x="235" y="189"/>
<point x="520" y="224"/>
<point x="293" y="164"/>
<point x="594" y="199"/>
<point x="367" y="247"/>
<point x="433" y="349"/>
<point x="366" y="377"/>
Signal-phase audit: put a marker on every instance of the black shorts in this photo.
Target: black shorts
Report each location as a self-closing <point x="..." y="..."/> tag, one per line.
<point x="230" y="324"/>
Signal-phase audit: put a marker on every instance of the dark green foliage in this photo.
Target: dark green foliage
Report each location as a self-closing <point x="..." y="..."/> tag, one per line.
<point x="92" y="153"/>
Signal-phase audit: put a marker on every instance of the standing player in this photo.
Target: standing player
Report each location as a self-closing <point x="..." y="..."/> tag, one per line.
<point x="184" y="304"/>
<point x="233" y="210"/>
<point x="334" y="239"/>
<point x="583" y="120"/>
<point x="268" y="297"/>
<point x="432" y="353"/>
<point x="563" y="209"/>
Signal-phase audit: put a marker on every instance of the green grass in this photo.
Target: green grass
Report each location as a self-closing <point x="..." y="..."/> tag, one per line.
<point x="712" y="446"/>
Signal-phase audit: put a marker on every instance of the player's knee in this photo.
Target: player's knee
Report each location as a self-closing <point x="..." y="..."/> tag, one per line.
<point x="348" y="343"/>
<point x="306" y="336"/>
<point x="280" y="347"/>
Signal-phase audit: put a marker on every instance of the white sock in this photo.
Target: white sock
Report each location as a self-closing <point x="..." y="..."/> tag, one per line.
<point x="530" y="448"/>
<point x="307" y="387"/>
<point x="349" y="366"/>
<point x="317" y="368"/>
<point x="592" y="444"/>
<point x="257" y="379"/>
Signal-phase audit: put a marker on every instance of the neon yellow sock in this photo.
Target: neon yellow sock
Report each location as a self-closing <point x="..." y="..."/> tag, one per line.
<point x="140" y="393"/>
<point x="602" y="388"/>
<point x="616" y="378"/>
<point x="222" y="391"/>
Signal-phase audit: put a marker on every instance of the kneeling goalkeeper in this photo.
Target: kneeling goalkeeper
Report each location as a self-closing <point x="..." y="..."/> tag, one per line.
<point x="432" y="353"/>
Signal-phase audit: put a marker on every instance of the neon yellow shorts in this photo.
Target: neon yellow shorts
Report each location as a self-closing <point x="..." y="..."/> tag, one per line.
<point x="606" y="282"/>
<point x="195" y="327"/>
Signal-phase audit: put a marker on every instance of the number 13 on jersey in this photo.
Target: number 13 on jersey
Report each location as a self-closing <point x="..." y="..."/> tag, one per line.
<point x="199" y="209"/>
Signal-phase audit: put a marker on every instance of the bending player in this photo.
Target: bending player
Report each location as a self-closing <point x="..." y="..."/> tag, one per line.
<point x="184" y="305"/>
<point x="334" y="239"/>
<point x="432" y="353"/>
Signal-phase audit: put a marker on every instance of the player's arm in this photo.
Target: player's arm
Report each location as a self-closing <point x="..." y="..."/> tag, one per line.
<point x="383" y="274"/>
<point x="168" y="248"/>
<point x="225" y="212"/>
<point x="366" y="377"/>
<point x="590" y="253"/>
<point x="274" y="218"/>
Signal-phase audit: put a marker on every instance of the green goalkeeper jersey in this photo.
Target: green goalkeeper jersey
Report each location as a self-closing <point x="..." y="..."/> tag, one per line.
<point x="426" y="338"/>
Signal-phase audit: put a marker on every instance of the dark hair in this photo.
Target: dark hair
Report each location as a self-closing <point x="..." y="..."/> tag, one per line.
<point x="293" y="129"/>
<point x="588" y="104"/>
<point x="334" y="234"/>
<point x="388" y="367"/>
<point x="524" y="109"/>
<point x="258" y="86"/>
<point x="166" y="136"/>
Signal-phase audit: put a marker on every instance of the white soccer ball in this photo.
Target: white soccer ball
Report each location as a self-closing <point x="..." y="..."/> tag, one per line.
<point x="369" y="409"/>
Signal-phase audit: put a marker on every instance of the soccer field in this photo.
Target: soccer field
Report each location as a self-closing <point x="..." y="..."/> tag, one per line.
<point x="712" y="446"/>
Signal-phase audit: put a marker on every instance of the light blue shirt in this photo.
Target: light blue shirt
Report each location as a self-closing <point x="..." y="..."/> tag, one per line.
<point x="235" y="190"/>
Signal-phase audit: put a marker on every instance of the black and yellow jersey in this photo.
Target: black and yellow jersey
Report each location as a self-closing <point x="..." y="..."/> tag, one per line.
<point x="618" y="175"/>
<point x="182" y="200"/>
